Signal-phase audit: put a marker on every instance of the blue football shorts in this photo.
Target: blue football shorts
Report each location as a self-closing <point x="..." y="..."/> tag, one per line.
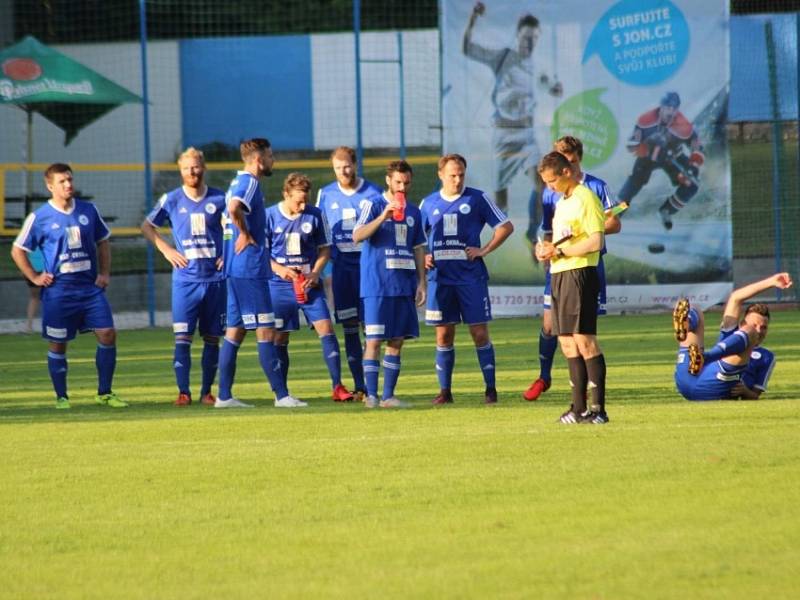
<point x="287" y="309"/>
<point x="249" y="305"/>
<point x="450" y="304"/>
<point x="79" y="309"/>
<point x="202" y="301"/>
<point x="390" y="317"/>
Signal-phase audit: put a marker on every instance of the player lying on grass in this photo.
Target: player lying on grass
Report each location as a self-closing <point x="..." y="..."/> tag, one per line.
<point x="737" y="367"/>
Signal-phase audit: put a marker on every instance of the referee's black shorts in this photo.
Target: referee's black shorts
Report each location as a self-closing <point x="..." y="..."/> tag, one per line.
<point x="574" y="301"/>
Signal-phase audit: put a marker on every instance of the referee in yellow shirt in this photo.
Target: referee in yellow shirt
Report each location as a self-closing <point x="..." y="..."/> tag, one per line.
<point x="578" y="226"/>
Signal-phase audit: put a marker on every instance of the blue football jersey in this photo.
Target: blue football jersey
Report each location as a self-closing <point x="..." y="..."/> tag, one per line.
<point x="196" y="231"/>
<point x="387" y="256"/>
<point x="253" y="261"/>
<point x="453" y="225"/>
<point x="295" y="241"/>
<point x="68" y="241"/>
<point x="341" y="211"/>
<point x="759" y="368"/>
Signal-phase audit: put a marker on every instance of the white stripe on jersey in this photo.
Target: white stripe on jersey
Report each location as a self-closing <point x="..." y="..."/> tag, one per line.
<point x="24" y="232"/>
<point x="326" y="227"/>
<point x="162" y="200"/>
<point x="248" y="195"/>
<point x="763" y="387"/>
<point x="108" y="235"/>
<point x="365" y="208"/>
<point x="319" y="197"/>
<point x="497" y="212"/>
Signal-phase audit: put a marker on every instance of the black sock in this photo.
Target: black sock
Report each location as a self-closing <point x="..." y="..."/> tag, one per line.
<point x="579" y="378"/>
<point x="596" y="369"/>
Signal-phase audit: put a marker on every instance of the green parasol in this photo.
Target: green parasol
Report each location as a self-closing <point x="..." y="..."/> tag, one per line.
<point x="37" y="78"/>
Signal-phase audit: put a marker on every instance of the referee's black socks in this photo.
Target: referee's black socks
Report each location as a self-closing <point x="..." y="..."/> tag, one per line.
<point x="579" y="378"/>
<point x="596" y="369"/>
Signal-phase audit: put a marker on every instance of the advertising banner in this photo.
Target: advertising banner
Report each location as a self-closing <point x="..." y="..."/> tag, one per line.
<point x="644" y="85"/>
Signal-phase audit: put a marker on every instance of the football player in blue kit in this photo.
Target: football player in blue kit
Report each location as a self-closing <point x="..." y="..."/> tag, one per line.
<point x="73" y="239"/>
<point x="340" y="202"/>
<point x="393" y="280"/>
<point x="737" y="367"/>
<point x="458" y="279"/>
<point x="194" y="212"/>
<point x="572" y="148"/>
<point x="247" y="272"/>
<point x="299" y="246"/>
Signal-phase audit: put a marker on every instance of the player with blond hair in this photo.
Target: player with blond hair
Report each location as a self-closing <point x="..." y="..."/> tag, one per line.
<point x="194" y="213"/>
<point x="341" y="201"/>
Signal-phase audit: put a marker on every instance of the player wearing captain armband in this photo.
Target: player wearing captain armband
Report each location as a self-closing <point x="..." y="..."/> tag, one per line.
<point x="74" y="242"/>
<point x="194" y="212"/>
<point x="458" y="291"/>
<point x="341" y="202"/>
<point x="737" y="366"/>
<point x="572" y="149"/>
<point x="393" y="279"/>
<point x="299" y="246"/>
<point x="247" y="272"/>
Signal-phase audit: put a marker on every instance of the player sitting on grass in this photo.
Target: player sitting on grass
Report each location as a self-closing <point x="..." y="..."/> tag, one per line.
<point x="737" y="367"/>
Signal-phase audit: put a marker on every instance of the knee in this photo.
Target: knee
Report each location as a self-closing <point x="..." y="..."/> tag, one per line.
<point x="212" y="340"/>
<point x="107" y="337"/>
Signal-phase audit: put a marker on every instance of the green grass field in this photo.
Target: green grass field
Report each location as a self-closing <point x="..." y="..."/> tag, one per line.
<point x="670" y="500"/>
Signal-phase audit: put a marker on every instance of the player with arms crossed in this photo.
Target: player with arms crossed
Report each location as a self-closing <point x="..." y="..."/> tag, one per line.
<point x="393" y="281"/>
<point x="737" y="367"/>
<point x="572" y="148"/>
<point x="247" y="272"/>
<point x="340" y="202"/>
<point x="299" y="245"/>
<point x="194" y="212"/>
<point x="73" y="239"/>
<point x="458" y="289"/>
<point x="578" y="225"/>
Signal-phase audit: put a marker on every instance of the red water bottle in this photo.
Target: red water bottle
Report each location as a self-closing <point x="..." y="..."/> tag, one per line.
<point x="299" y="290"/>
<point x="399" y="214"/>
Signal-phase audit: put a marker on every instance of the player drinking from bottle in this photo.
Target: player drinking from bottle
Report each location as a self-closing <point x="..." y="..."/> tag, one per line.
<point x="393" y="280"/>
